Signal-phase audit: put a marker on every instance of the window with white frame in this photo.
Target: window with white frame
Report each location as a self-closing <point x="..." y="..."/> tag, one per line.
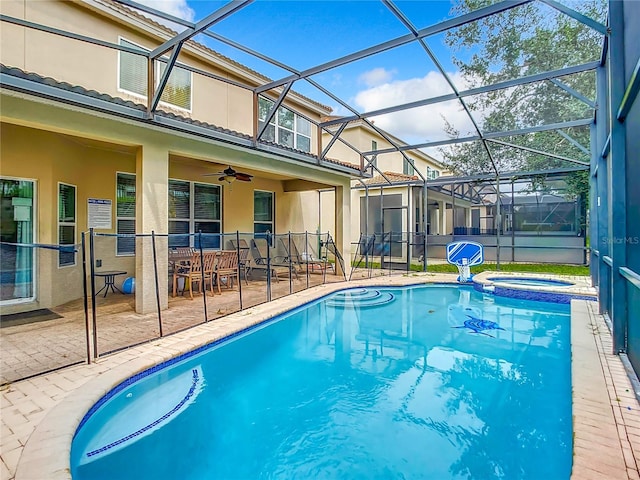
<point x="125" y="213"/>
<point x="263" y="212"/>
<point x="132" y="78"/>
<point x="67" y="219"/>
<point x="374" y="159"/>
<point x="286" y="127"/>
<point x="407" y="167"/>
<point x="194" y="207"/>
<point x="432" y="173"/>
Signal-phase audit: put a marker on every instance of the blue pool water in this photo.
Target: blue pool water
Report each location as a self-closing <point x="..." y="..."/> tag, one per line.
<point x="437" y="382"/>
<point x="534" y="282"/>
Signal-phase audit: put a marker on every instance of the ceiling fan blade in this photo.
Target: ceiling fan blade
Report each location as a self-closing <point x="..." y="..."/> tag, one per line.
<point x="243" y="177"/>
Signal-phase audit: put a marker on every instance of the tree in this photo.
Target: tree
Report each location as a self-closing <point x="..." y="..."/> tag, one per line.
<point x="526" y="40"/>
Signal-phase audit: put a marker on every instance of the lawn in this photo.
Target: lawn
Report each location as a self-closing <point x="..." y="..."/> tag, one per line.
<point x="506" y="267"/>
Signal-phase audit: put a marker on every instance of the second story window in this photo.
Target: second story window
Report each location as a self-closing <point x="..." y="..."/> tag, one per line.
<point x="132" y="78"/>
<point x="407" y="168"/>
<point x="432" y="173"/>
<point x="374" y="159"/>
<point x="286" y="127"/>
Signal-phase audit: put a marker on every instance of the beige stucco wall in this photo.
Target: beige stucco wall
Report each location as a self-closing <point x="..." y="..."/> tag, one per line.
<point x="49" y="158"/>
<point x="360" y="137"/>
<point x="49" y="143"/>
<point x="96" y="67"/>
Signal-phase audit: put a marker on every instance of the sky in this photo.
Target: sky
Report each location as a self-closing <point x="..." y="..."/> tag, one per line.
<point x="304" y="34"/>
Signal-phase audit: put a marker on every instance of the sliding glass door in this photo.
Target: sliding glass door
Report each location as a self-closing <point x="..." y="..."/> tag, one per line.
<point x="17" y="227"/>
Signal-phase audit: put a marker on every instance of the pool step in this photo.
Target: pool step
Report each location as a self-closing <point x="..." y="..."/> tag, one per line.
<point x="359" y="298"/>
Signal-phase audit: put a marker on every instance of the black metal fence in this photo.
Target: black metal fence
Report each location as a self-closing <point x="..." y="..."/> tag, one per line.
<point x="69" y="304"/>
<point x="405" y="251"/>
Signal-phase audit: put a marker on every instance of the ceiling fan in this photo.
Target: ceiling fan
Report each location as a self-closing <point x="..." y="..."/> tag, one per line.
<point x="229" y="175"/>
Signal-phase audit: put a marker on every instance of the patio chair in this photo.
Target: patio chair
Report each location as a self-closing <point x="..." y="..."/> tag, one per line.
<point x="277" y="265"/>
<point x="199" y="270"/>
<point x="180" y="257"/>
<point x="226" y="268"/>
<point x="242" y="247"/>
<point x="304" y="261"/>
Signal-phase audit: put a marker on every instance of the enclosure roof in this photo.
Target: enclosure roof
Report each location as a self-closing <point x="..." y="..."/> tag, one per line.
<point x="344" y="49"/>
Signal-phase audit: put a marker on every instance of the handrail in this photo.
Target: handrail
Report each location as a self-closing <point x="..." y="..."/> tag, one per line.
<point x="632" y="277"/>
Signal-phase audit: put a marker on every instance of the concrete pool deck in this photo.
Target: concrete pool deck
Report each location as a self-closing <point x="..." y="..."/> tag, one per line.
<point x="39" y="415"/>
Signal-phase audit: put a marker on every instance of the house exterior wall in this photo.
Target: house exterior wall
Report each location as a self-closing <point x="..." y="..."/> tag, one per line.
<point x="96" y="67"/>
<point x="49" y="158"/>
<point x="361" y="136"/>
<point x="49" y="143"/>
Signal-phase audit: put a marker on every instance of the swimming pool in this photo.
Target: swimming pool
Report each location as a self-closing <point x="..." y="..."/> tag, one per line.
<point x="534" y="282"/>
<point x="436" y="382"/>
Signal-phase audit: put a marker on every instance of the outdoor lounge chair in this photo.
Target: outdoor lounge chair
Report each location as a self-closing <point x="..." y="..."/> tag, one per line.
<point x="242" y="247"/>
<point x="304" y="261"/>
<point x="276" y="265"/>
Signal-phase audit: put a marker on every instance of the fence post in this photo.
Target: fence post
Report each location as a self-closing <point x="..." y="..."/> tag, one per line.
<point x="93" y="292"/>
<point x="202" y="286"/>
<point x="155" y="270"/>
<point x="268" y="239"/>
<point x="240" y="267"/>
<point x="290" y="264"/>
<point x="86" y="297"/>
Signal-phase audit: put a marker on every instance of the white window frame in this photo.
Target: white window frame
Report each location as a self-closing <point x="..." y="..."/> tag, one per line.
<point x="408" y="168"/>
<point x="34" y="225"/>
<point x="294" y="132"/>
<point x="374" y="157"/>
<point x="157" y="80"/>
<point x="432" y="173"/>
<point x="73" y="224"/>
<point x="118" y="217"/>
<point x="192" y="209"/>
<point x="272" y="223"/>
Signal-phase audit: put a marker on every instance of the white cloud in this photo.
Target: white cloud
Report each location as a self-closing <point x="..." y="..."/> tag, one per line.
<point x="177" y="8"/>
<point x="376" y="77"/>
<point x="420" y="124"/>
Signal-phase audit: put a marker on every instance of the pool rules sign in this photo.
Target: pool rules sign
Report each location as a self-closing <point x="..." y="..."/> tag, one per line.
<point x="99" y="213"/>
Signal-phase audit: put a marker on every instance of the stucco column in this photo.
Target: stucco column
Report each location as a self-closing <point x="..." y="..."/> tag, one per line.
<point x="343" y="226"/>
<point x="152" y="214"/>
<point x="467" y="217"/>
<point x="435" y="222"/>
<point x="442" y="208"/>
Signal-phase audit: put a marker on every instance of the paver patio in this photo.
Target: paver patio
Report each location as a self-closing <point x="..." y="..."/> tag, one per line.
<point x="39" y="415"/>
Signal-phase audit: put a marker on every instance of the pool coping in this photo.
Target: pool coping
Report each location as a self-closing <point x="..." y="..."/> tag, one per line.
<point x="564" y="294"/>
<point x="47" y="451"/>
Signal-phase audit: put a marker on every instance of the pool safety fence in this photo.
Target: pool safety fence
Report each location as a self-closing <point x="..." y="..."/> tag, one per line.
<point x="401" y="251"/>
<point x="68" y="304"/>
<point x="36" y="337"/>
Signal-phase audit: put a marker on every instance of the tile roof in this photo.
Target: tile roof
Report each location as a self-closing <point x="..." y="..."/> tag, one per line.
<point x="394" y="177"/>
<point x="51" y="82"/>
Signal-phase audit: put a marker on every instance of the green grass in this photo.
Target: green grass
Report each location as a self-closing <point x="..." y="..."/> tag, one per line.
<point x="505" y="267"/>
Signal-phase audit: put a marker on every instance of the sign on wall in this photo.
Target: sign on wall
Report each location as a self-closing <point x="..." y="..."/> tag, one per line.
<point x="99" y="212"/>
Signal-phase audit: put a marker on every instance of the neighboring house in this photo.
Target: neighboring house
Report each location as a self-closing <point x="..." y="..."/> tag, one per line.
<point x="82" y="146"/>
<point x="397" y="182"/>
